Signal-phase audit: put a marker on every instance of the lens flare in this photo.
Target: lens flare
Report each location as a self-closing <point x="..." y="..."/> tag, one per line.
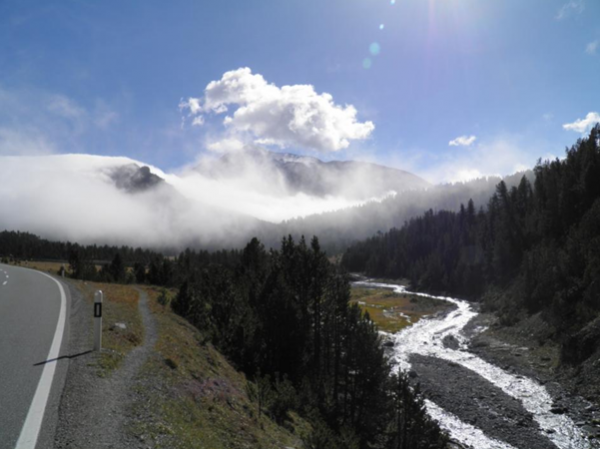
<point x="392" y="2"/>
<point x="374" y="48"/>
<point x="367" y="63"/>
<point x="382" y="26"/>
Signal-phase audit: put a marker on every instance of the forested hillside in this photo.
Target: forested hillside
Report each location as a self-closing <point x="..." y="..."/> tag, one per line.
<point x="340" y="229"/>
<point x="283" y="317"/>
<point x="535" y="247"/>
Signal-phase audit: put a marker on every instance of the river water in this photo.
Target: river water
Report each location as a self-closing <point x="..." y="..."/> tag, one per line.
<point x="426" y="338"/>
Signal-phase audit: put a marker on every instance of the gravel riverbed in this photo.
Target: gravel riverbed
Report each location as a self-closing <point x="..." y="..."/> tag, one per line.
<point x="488" y="389"/>
<point x="525" y="350"/>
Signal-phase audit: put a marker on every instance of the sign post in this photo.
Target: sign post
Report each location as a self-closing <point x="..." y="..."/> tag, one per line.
<point x="98" y="320"/>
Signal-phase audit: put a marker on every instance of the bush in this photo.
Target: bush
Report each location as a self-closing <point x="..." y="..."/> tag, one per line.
<point x="164" y="298"/>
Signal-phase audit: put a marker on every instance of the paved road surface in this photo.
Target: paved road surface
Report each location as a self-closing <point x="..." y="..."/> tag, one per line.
<point x="33" y="328"/>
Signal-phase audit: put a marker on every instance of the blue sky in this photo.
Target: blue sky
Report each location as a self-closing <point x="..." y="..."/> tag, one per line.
<point x="108" y="77"/>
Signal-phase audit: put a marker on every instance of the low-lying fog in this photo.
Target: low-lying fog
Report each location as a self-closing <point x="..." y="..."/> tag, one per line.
<point x="83" y="198"/>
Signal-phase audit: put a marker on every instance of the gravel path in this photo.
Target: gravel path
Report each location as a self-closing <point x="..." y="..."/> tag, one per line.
<point x="97" y="412"/>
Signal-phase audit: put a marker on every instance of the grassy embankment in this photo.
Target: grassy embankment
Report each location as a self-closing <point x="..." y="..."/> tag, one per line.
<point x="392" y="311"/>
<point x="188" y="393"/>
<point x="197" y="399"/>
<point x="120" y="306"/>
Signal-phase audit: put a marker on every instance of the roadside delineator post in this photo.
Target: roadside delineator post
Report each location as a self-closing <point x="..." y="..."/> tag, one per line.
<point x="98" y="320"/>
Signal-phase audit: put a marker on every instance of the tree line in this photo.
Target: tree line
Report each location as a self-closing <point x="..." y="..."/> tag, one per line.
<point x="535" y="247"/>
<point x="105" y="263"/>
<point x="338" y="230"/>
<point x="26" y="246"/>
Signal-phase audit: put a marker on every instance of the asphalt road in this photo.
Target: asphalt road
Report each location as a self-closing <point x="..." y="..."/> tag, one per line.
<point x="33" y="330"/>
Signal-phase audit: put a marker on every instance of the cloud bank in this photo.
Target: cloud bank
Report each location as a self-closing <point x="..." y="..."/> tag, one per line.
<point x="75" y="197"/>
<point x="500" y="156"/>
<point x="287" y="116"/>
<point x="583" y="126"/>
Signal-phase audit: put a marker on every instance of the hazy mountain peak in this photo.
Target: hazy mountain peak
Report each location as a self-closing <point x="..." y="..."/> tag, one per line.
<point x="133" y="179"/>
<point x="294" y="174"/>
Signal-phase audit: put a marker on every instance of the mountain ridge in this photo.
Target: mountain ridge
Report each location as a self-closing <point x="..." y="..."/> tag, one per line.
<point x="292" y="174"/>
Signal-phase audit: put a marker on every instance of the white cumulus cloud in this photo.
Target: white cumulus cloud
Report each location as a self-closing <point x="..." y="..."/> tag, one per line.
<point x="583" y="125"/>
<point x="462" y="141"/>
<point x="227" y="145"/>
<point x="287" y="116"/>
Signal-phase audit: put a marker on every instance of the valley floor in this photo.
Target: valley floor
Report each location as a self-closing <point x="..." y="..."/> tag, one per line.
<point x="393" y="311"/>
<point x="159" y="384"/>
<point x="440" y="366"/>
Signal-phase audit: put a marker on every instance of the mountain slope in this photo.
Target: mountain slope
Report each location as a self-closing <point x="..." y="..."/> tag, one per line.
<point x="341" y="228"/>
<point x="107" y="200"/>
<point x="292" y="174"/>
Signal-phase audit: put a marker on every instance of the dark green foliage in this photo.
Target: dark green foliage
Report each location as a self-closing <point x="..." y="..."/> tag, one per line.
<point x="81" y="266"/>
<point x="410" y="428"/>
<point x="116" y="269"/>
<point x="285" y="399"/>
<point x="283" y="317"/>
<point x="535" y="248"/>
<point x="438" y="252"/>
<point x="148" y="266"/>
<point x="24" y="246"/>
<point x="139" y="271"/>
<point x="338" y="230"/>
<point x="163" y="298"/>
<point x="261" y="392"/>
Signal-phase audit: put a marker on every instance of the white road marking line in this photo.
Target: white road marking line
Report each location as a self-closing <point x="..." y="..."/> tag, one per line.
<point x="5" y="282"/>
<point x="33" y="422"/>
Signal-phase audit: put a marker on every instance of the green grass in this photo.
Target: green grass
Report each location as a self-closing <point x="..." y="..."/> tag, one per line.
<point x="198" y="399"/>
<point x="48" y="267"/>
<point x="392" y="311"/>
<point x="120" y="306"/>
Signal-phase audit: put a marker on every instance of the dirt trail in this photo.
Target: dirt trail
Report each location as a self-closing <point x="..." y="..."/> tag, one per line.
<point x="96" y="412"/>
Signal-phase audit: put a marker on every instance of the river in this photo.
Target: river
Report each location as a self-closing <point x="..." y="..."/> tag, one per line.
<point x="425" y="338"/>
